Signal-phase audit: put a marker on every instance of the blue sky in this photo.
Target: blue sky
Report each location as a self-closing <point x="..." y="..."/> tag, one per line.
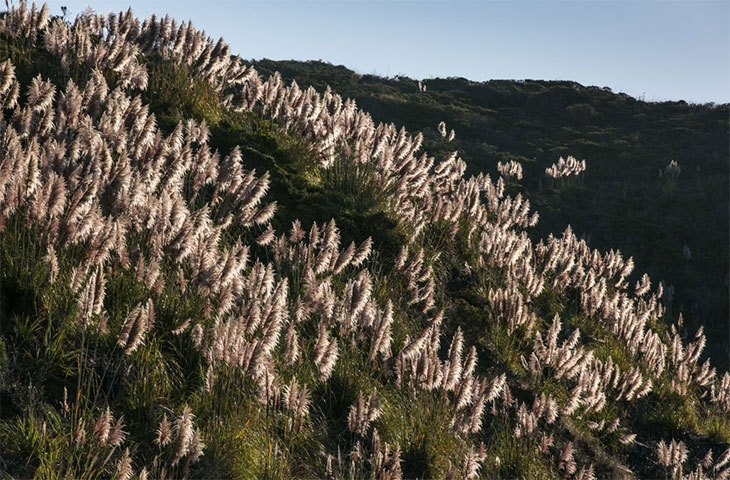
<point x="656" y="50"/>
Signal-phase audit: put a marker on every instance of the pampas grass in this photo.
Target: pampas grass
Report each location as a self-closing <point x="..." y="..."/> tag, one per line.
<point x="216" y="313"/>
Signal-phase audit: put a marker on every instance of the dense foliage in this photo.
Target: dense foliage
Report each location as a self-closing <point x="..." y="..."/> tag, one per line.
<point x="624" y="202"/>
<point x="209" y="274"/>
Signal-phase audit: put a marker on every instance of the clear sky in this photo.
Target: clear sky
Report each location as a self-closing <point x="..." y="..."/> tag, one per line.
<point x="656" y="50"/>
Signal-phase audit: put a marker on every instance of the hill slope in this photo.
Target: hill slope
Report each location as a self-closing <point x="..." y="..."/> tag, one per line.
<point x="209" y="274"/>
<point x="623" y="203"/>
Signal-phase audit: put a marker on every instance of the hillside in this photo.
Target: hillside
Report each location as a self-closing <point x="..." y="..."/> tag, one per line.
<point x="208" y="272"/>
<point x="623" y="203"/>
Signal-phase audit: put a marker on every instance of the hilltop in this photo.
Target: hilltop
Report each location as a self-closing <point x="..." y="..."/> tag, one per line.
<point x="209" y="272"/>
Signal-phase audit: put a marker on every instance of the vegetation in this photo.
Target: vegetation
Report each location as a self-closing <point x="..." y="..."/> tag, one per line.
<point x="208" y="274"/>
<point x="625" y="199"/>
